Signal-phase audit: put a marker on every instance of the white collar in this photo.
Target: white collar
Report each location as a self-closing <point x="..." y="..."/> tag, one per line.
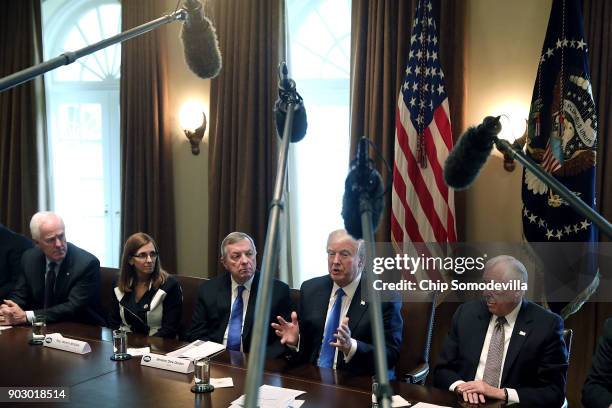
<point x="350" y="289"/>
<point x="247" y="284"/>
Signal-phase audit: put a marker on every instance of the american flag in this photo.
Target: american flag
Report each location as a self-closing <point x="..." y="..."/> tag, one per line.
<point x="422" y="204"/>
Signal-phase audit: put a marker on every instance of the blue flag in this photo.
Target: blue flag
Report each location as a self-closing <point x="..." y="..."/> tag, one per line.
<point x="562" y="132"/>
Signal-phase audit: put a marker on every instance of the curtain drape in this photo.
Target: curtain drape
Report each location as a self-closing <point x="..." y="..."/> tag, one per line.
<point x="147" y="194"/>
<point x="243" y="143"/>
<point x="380" y="42"/>
<point x="21" y="113"/>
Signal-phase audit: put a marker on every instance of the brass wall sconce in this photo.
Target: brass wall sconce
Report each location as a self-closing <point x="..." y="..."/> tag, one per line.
<point x="195" y="137"/>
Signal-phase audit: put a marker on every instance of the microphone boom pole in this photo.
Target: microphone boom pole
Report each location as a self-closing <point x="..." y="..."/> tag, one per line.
<point x="69" y="57"/>
<point x="576" y="203"/>
<point x="257" y="352"/>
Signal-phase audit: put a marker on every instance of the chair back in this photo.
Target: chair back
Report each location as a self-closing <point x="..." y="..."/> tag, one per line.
<point x="190" y="286"/>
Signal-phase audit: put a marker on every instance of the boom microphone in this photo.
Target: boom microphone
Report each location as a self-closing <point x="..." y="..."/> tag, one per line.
<point x="362" y="179"/>
<point x="287" y="94"/>
<point x="471" y="152"/>
<point x="200" y="43"/>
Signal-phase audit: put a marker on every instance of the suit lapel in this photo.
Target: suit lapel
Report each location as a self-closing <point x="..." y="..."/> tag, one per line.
<point x="356" y="309"/>
<point x="224" y="298"/>
<point x="320" y="304"/>
<point x="476" y="342"/>
<point x="522" y="328"/>
<point x="63" y="276"/>
<point x="248" y="318"/>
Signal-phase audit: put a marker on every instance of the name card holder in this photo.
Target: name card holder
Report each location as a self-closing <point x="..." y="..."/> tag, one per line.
<point x="57" y="341"/>
<point x="180" y="365"/>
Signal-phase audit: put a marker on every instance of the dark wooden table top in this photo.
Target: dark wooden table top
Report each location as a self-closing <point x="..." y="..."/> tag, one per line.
<point x="96" y="381"/>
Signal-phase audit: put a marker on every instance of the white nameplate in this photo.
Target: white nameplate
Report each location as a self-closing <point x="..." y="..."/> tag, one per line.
<point x="179" y="365"/>
<point x="57" y="341"/>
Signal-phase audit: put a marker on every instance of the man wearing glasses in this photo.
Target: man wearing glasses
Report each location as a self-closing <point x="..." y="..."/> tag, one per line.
<point x="60" y="281"/>
<point x="504" y="347"/>
<point x="225" y="308"/>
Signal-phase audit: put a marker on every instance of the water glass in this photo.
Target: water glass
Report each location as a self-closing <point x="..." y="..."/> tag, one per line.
<point x="39" y="329"/>
<point x="201" y="376"/>
<point x="120" y="346"/>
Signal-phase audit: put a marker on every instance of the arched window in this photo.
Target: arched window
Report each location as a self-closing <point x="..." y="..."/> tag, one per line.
<point x="83" y="124"/>
<point x="319" y="37"/>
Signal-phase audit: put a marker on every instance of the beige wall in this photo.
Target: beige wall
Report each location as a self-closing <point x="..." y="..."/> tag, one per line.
<point x="505" y="39"/>
<point x="190" y="172"/>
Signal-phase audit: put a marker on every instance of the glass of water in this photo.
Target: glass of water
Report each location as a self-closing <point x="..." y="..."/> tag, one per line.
<point x="39" y="330"/>
<point x="201" y="376"/>
<point x="120" y="346"/>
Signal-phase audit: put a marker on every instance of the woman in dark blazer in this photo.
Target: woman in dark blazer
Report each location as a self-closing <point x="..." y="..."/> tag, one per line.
<point x="146" y="299"/>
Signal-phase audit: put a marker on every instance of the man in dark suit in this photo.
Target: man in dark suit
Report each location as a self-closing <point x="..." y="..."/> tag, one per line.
<point x="60" y="281"/>
<point x="333" y="327"/>
<point x="12" y="246"/>
<point x="225" y="307"/>
<point x="597" y="390"/>
<point x="504" y="347"/>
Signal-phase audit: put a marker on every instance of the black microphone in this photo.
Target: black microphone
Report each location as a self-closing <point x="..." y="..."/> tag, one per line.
<point x="200" y="43"/>
<point x="470" y="154"/>
<point x="362" y="179"/>
<point x="287" y="94"/>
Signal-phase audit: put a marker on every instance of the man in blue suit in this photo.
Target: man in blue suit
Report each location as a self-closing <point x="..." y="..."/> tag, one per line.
<point x="332" y="327"/>
<point x="60" y="281"/>
<point x="597" y="390"/>
<point x="504" y="347"/>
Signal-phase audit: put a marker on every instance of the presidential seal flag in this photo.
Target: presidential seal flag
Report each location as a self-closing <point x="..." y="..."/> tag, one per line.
<point x="562" y="137"/>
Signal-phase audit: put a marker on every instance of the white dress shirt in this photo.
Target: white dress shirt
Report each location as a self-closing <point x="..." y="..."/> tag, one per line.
<point x="245" y="303"/>
<point x="508" y="328"/>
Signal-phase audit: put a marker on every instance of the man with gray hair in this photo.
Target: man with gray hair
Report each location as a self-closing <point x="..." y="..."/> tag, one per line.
<point x="504" y="347"/>
<point x="60" y="281"/>
<point x="225" y="308"/>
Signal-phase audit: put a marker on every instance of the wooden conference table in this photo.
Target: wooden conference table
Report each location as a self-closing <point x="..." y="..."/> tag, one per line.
<point x="96" y="381"/>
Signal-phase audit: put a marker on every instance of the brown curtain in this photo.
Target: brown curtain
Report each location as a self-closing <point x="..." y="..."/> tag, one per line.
<point x="147" y="194"/>
<point x="380" y="39"/>
<point x="243" y="142"/>
<point x="20" y="48"/>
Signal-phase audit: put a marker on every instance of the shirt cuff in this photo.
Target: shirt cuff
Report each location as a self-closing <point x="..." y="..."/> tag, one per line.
<point x="30" y="316"/>
<point x="352" y="351"/>
<point x="513" y="397"/>
<point x="454" y="385"/>
<point x="295" y="348"/>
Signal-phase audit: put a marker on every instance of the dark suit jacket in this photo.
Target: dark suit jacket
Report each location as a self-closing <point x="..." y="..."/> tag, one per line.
<point x="597" y="390"/>
<point x="77" y="287"/>
<point x="213" y="308"/>
<point x="314" y="301"/>
<point x="536" y="362"/>
<point x="12" y="245"/>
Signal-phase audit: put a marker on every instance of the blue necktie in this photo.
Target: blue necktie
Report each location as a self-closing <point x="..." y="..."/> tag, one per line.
<point x="326" y="357"/>
<point x="235" y="324"/>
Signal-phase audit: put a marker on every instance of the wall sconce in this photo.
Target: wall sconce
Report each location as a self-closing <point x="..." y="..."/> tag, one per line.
<point x="192" y="116"/>
<point x="512" y="127"/>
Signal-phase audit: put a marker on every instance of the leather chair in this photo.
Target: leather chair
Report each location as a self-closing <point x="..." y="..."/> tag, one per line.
<point x="190" y="286"/>
<point x="418" y="314"/>
<point x="107" y="277"/>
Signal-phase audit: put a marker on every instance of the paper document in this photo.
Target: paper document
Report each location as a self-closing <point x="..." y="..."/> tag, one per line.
<point x="397" y="401"/>
<point x="133" y="351"/>
<point x="5" y="327"/>
<point x="274" y="397"/>
<point x="225" y="382"/>
<point x="197" y="350"/>
<point x="426" y="405"/>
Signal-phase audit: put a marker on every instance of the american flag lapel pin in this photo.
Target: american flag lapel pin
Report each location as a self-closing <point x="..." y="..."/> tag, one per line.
<point x="363" y="303"/>
<point x="522" y="333"/>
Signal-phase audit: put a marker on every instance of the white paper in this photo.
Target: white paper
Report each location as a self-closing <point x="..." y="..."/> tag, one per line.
<point x="225" y="382"/>
<point x="273" y="397"/>
<point x="426" y="405"/>
<point x="397" y="401"/>
<point x="5" y="327"/>
<point x="297" y="403"/>
<point x="167" y="363"/>
<point x="133" y="351"/>
<point x="57" y="341"/>
<point x="197" y="350"/>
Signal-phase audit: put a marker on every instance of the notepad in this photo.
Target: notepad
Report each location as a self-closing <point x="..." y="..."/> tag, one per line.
<point x="197" y="350"/>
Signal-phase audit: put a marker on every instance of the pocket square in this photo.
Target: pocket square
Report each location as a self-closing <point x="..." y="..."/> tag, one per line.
<point x="522" y="333"/>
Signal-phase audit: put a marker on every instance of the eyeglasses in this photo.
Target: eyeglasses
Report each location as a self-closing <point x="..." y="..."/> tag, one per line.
<point x="144" y="255"/>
